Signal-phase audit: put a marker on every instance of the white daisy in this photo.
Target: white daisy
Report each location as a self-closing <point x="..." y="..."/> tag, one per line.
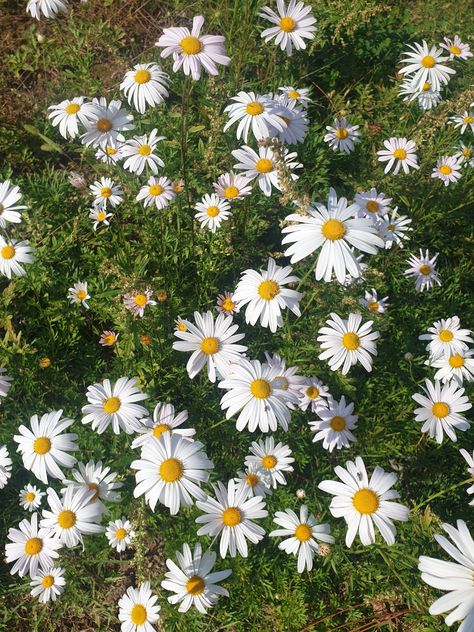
<point x="424" y="64"/>
<point x="273" y="459"/>
<point x="108" y="338"/>
<point x="100" y="217"/>
<point x="145" y="86"/>
<point x="448" y="169"/>
<point x="446" y="338"/>
<point x="299" y="95"/>
<point x="9" y="196"/>
<point x="193" y="581"/>
<point x="342" y="135"/>
<point x="455" y="578"/>
<point x="346" y="342"/>
<point x="297" y="123"/>
<point x="99" y="479"/>
<point x="255" y="480"/>
<point x="393" y="228"/>
<point x="110" y="155"/>
<point x="191" y="50"/>
<point x="465" y="155"/>
<point x="212" y="211"/>
<point x="231" y="516"/>
<point x="470" y="461"/>
<point x="105" y="191"/>
<point x="363" y="502"/>
<point x="463" y="121"/>
<point x="31" y="547"/>
<point x="120" y="534"/>
<point x="139" y="153"/>
<point x="157" y="191"/>
<point x="263" y="166"/>
<point x="287" y="378"/>
<point x="399" y="152"/>
<point x="372" y="204"/>
<point x="114" y="404"/>
<point x="313" y="394"/>
<point x="5" y="382"/>
<point x="333" y="229"/>
<point x="302" y="534"/>
<point x="425" y="95"/>
<point x="225" y="304"/>
<point x="424" y="270"/>
<point x="68" y="114"/>
<point x="373" y="303"/>
<point x="44" y="448"/>
<point x="231" y="186"/>
<point x="48" y="8"/>
<point x="256" y="113"/>
<point x="5" y="466"/>
<point x="137" y="609"/>
<point x="459" y="367"/>
<point x="137" y="301"/>
<point x="12" y="254"/>
<point x="456" y="49"/>
<point x="30" y="497"/>
<point x="335" y="425"/>
<point x="294" y="23"/>
<point x="107" y="121"/>
<point x="170" y="470"/>
<point x="48" y="584"/>
<point x="164" y="421"/>
<point x="78" y="293"/>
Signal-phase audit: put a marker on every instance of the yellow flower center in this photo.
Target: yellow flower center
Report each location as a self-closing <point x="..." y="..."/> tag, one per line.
<point x="466" y="152"/>
<point x="228" y="305"/>
<point x="110" y="151"/>
<point x="372" y="206"/>
<point x="106" y="192"/>
<point x="469" y="119"/>
<point x="456" y="361"/>
<point x="73" y="108"/>
<point x="109" y="339"/>
<point x="231" y="192"/>
<point x="333" y="229"/>
<point x="145" y="340"/>
<point x="391" y="227"/>
<point x="254" y="109"/>
<point x="373" y="306"/>
<point x="8" y="252"/>
<point x="365" y="501"/>
<point x="195" y="585"/>
<point x="264" y="165"/>
<point x="400" y="154"/>
<point x="445" y="170"/>
<point x="445" y="335"/>
<point x="287" y="24"/>
<point x="303" y="533"/>
<point x="213" y="211"/>
<point x="260" y="389"/>
<point x="351" y="341"/>
<point x="81" y="294"/>
<point x="142" y="76"/>
<point x="425" y="269"/>
<point x="269" y="461"/>
<point x="138" y="614"/>
<point x="171" y="470"/>
<point x="104" y="125"/>
<point x="144" y="150"/>
<point x="231" y="516"/>
<point x="338" y="423"/>
<point x="268" y="289"/>
<point x="42" y="445"/>
<point x="155" y="189"/>
<point x="30" y="496"/>
<point x="101" y="216"/>
<point x="111" y="405"/>
<point x="67" y="519"/>
<point x="181" y="327"/>
<point x="140" y="300"/>
<point x="47" y="581"/>
<point x="426" y="86"/>
<point x="159" y="429"/>
<point x="440" y="410"/>
<point x="121" y="534"/>
<point x="312" y="392"/>
<point x="210" y="345"/>
<point x="455" y="49"/>
<point x="94" y="487"/>
<point x="251" y="479"/>
<point x="293" y="94"/>
<point x="428" y="61"/>
<point x="341" y="133"/>
<point x="45" y="363"/>
<point x="190" y="45"/>
<point x="33" y="546"/>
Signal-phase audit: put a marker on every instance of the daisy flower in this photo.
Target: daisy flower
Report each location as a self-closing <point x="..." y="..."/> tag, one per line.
<point x="424" y="270"/>
<point x="297" y="122"/>
<point x="12" y="254"/>
<point x="333" y="229"/>
<point x="48" y="8"/>
<point x="212" y="211"/>
<point x="342" y="136"/>
<point x="313" y="394"/>
<point x="293" y="24"/>
<point x="213" y="343"/>
<point x="9" y="196"/>
<point x="287" y="378"/>
<point x="372" y="204"/>
<point x="100" y="217"/>
<point x="120" y="534"/>
<point x="164" y="421"/>
<point x="145" y="86"/>
<point x="446" y="338"/>
<point x="456" y="49"/>
<point x="44" y="447"/>
<point x="178" y="186"/>
<point x="157" y="191"/>
<point x="230" y="186"/>
<point x="448" y="169"/>
<point x="373" y="303"/>
<point x="254" y="392"/>
<point x="346" y="342"/>
<point x="5" y="466"/>
<point x="399" y="152"/>
<point x="68" y="114"/>
<point x="265" y="295"/>
<point x="30" y="497"/>
<point x="139" y="153"/>
<point x="48" y="584"/>
<point x="298" y="95"/>
<point x="393" y="228"/>
<point x="31" y="547"/>
<point x="105" y="191"/>
<point x="425" y="95"/>
<point x="463" y="121"/>
<point x="170" y="470"/>
<point x="94" y="477"/>
<point x="108" y="338"/>
<point x="255" y="480"/>
<point x="470" y="461"/>
<point x="256" y="113"/>
<point x="459" y="367"/>
<point x="107" y="121"/>
<point x="455" y="578"/>
<point x="302" y="534"/>
<point x="424" y="64"/>
<point x="193" y="51"/>
<point x="231" y="516"/>
<point x="193" y="581"/>
<point x="4" y="382"/>
<point x="272" y="459"/>
<point x="79" y="294"/>
<point x="226" y="304"/>
<point x="137" y="301"/>
<point x="110" y="155"/>
<point x="335" y="425"/>
<point x="364" y="503"/>
<point x="263" y="166"/>
<point x="137" y="610"/>
<point x="465" y="155"/>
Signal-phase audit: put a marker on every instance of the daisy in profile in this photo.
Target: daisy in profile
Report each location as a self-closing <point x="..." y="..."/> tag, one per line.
<point x="231" y="516"/>
<point x="254" y="392"/>
<point x="68" y="114"/>
<point x="30" y="497"/>
<point x="5" y="466"/>
<point x="394" y="229"/>
<point x="424" y="64"/>
<point x="120" y="534"/>
<point x="446" y="338"/>
<point x="100" y="217"/>
<point x="212" y="211"/>
<point x="301" y="535"/>
<point x="47" y="8"/>
<point x="110" y="155"/>
<point x="293" y="24"/>
<point x="13" y="253"/>
<point x="298" y="95"/>
<point x="44" y="448"/>
<point x="231" y="186"/>
<point x="108" y="338"/>
<point x="465" y="155"/>
<point x="440" y="410"/>
<point x="193" y="581"/>
<point x="342" y="135"/>
<point x="365" y="503"/>
<point x="139" y="153"/>
<point x="456" y="49"/>
<point x="105" y="192"/>
<point x="137" y="609"/>
<point x="313" y="394"/>
<point x="334" y="230"/>
<point x="170" y="471"/>
<point x="145" y="86"/>
<point x="31" y="547"/>
<point x="423" y="269"/>
<point x="262" y="166"/>
<point x="193" y="51"/>
<point x="137" y="301"/>
<point x="454" y="577"/>
<point x="458" y="367"/>
<point x="255" y="480"/>
<point x="265" y="295"/>
<point x="470" y="461"/>
<point x="399" y="152"/>
<point x="97" y="478"/>
<point x="226" y="304"/>
<point x="335" y="425"/>
<point x="448" y="169"/>
<point x="106" y="123"/>
<point x="273" y="460"/>
<point x="79" y="294"/>
<point x="256" y="113"/>
<point x="463" y="121"/>
<point x="164" y="421"/>
<point x="5" y="382"/>
<point x="157" y="191"/>
<point x="287" y="378"/>
<point x="373" y="303"/>
<point x="372" y="204"/>
<point x="116" y="405"/>
<point x="213" y="343"/>
<point x="48" y="584"/>
<point x="9" y="196"/>
<point x="346" y="342"/>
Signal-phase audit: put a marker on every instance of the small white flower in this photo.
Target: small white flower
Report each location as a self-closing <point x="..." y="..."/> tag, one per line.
<point x="297" y="123"/>
<point x="423" y="268"/>
<point x="287" y="378"/>
<point x="145" y="86"/>
<point x="67" y="115"/>
<point x="463" y="121"/>
<point x="9" y="196"/>
<point x="79" y="294"/>
<point x="93" y="476"/>
<point x="456" y="49"/>
<point x="30" y="497"/>
<point x="372" y="204"/>
<point x="458" y="367"/>
<point x="212" y="211"/>
<point x="157" y="191"/>
<point x="294" y="23"/>
<point x="120" y="534"/>
<point x="426" y="97"/>
<point x="255" y="480"/>
<point x="373" y="303"/>
<point x="105" y="191"/>
<point x="424" y="64"/>
<point x="5" y="466"/>
<point x="226" y="304"/>
<point x="399" y="152"/>
<point x="313" y="394"/>
<point x="393" y="228"/>
<point x="256" y="113"/>
<point x="139" y="153"/>
<point x="164" y="420"/>
<point x="137" y="301"/>
<point x="231" y="186"/>
<point x="448" y="169"/>
<point x="342" y="136"/>
<point x="299" y="95"/>
<point x="106" y="124"/>
<point x="262" y="166"/>
<point x="465" y="155"/>
<point x="100" y="217"/>
<point x="12" y="254"/>
<point x="446" y="338"/>
<point x="48" y="584"/>
<point x="110" y="155"/>
<point x="273" y="459"/>
<point x="335" y="425"/>
<point x="137" y="610"/>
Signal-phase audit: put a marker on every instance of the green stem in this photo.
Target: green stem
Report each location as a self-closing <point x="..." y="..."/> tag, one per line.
<point x="441" y="493"/>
